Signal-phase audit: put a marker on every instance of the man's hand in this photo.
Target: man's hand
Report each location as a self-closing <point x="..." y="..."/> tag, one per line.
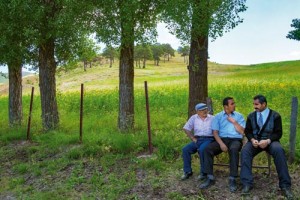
<point x="263" y="144"/>
<point x="236" y="125"/>
<point x="231" y="119"/>
<point x="223" y="147"/>
<point x="194" y="139"/>
<point x="255" y="143"/>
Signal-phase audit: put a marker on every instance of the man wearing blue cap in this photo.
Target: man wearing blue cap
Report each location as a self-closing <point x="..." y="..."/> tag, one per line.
<point x="198" y="129"/>
<point x="228" y="130"/>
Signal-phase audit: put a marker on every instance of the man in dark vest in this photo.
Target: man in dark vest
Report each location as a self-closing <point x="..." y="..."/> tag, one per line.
<point x="264" y="130"/>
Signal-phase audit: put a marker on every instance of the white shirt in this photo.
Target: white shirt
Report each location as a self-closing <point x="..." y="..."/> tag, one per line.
<point x="199" y="126"/>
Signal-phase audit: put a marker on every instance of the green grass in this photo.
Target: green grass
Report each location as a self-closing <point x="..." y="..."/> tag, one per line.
<point x="55" y="166"/>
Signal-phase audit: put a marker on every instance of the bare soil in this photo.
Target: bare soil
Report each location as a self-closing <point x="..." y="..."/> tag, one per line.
<point x="265" y="187"/>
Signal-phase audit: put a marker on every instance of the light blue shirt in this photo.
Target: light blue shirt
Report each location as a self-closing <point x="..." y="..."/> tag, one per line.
<point x="199" y="126"/>
<point x="225" y="128"/>
<point x="265" y="114"/>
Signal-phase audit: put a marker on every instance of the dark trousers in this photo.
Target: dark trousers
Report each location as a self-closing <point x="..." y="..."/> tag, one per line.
<point x="192" y="148"/>
<point x="276" y="151"/>
<point x="234" y="146"/>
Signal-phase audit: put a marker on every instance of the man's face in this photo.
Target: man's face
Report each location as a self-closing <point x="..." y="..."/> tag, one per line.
<point x="258" y="107"/>
<point x="202" y="113"/>
<point x="231" y="106"/>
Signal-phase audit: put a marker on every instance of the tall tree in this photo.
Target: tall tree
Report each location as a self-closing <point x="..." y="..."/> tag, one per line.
<point x="124" y="22"/>
<point x="295" y="34"/>
<point x="157" y="52"/>
<point x="142" y="52"/>
<point x="146" y="54"/>
<point x="184" y="51"/>
<point x="110" y="53"/>
<point x="14" y="51"/>
<point x="195" y="21"/>
<point x="59" y="28"/>
<point x="138" y="55"/>
<point x="88" y="51"/>
<point x="168" y="51"/>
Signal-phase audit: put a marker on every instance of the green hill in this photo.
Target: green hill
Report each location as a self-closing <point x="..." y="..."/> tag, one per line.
<point x="172" y="72"/>
<point x="4" y="79"/>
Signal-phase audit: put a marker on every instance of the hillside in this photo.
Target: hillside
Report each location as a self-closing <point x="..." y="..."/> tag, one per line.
<point x="168" y="73"/>
<point x="4" y="82"/>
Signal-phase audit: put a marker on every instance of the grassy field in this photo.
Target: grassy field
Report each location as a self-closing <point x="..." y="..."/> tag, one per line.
<point x="107" y="164"/>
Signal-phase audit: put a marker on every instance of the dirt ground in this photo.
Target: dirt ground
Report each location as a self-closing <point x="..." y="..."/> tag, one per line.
<point x="265" y="187"/>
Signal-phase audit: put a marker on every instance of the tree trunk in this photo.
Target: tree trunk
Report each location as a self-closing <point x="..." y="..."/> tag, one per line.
<point x="47" y="68"/>
<point x="126" y="80"/>
<point x="198" y="90"/>
<point x="144" y="63"/>
<point x="15" y="94"/>
<point x="110" y="62"/>
<point x="84" y="65"/>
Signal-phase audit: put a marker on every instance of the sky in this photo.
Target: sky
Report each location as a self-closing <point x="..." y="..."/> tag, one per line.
<point x="260" y="38"/>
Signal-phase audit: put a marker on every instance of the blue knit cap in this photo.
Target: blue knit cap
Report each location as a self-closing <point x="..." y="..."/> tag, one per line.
<point x="200" y="106"/>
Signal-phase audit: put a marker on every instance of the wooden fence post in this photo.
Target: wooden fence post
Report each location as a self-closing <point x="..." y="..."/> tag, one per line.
<point x="293" y="129"/>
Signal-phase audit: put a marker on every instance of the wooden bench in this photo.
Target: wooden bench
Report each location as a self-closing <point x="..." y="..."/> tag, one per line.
<point x="268" y="166"/>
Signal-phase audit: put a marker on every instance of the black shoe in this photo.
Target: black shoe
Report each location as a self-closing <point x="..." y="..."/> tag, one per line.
<point x="246" y="189"/>
<point x="288" y="193"/>
<point x="186" y="175"/>
<point x="202" y="177"/>
<point x="207" y="183"/>
<point x="232" y="185"/>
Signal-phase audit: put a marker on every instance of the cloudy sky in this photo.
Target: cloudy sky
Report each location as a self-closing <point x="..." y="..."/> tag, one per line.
<point x="260" y="38"/>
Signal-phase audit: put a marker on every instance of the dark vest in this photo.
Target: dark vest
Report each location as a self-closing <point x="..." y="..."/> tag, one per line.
<point x="267" y="128"/>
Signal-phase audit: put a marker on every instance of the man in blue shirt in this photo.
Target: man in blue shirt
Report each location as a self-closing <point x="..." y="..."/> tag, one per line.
<point x="228" y="129"/>
<point x="198" y="129"/>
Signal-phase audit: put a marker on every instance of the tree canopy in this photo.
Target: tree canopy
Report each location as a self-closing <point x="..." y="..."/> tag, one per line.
<point x="195" y="21"/>
<point x="123" y="23"/>
<point x="41" y="33"/>
<point x="15" y="50"/>
<point x="220" y="17"/>
<point x="295" y="34"/>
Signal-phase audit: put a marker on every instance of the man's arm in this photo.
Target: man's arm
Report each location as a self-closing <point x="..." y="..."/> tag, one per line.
<point x="236" y="125"/>
<point x="219" y="140"/>
<point x="277" y="130"/>
<point x="249" y="133"/>
<point x="190" y="135"/>
<point x="249" y="129"/>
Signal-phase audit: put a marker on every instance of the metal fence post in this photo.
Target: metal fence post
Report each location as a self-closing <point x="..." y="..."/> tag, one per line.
<point x="30" y="112"/>
<point x="148" y="119"/>
<point x="81" y="114"/>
